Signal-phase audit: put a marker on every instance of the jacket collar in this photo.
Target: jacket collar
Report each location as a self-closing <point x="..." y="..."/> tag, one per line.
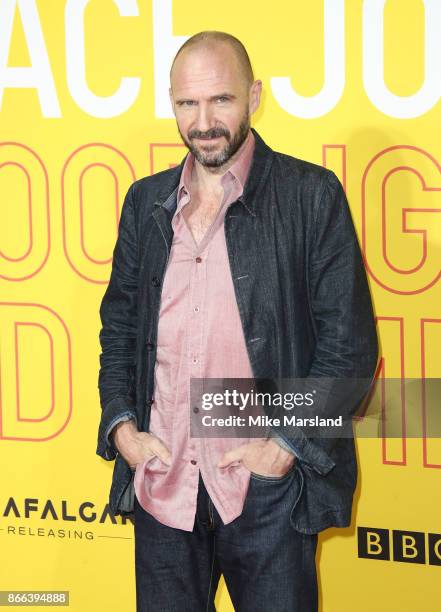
<point x="260" y="166"/>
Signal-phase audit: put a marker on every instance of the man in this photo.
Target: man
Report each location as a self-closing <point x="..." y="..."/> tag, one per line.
<point x="239" y="263"/>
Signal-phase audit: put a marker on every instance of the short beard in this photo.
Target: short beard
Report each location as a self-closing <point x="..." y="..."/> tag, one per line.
<point x="233" y="143"/>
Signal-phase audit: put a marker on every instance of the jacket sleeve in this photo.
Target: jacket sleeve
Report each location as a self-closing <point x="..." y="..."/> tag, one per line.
<point x="118" y="313"/>
<point x="346" y="352"/>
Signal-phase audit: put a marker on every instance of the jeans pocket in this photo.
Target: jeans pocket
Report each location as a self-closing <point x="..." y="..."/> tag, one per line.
<point x="301" y="485"/>
<point x="274" y="479"/>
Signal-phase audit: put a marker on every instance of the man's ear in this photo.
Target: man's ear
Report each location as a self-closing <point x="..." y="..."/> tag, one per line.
<point x="170" y="94"/>
<point x="255" y="93"/>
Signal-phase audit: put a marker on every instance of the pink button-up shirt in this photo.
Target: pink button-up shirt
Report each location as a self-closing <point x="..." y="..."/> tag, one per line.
<point x="199" y="335"/>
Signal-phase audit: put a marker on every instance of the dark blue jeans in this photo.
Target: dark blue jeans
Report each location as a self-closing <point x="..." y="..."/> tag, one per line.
<point x="267" y="565"/>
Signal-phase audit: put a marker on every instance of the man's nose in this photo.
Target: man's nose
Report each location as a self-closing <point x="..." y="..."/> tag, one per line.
<point x="204" y="118"/>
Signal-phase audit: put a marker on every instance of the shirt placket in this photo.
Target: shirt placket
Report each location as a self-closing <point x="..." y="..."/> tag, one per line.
<point x="194" y="354"/>
<point x="196" y="332"/>
<point x="208" y="455"/>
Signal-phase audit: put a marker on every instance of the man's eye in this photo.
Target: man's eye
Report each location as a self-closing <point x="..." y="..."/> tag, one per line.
<point x="222" y="99"/>
<point x="187" y="103"/>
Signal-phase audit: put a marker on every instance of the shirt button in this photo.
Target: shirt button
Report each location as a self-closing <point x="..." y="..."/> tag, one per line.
<point x="196" y="308"/>
<point x="150" y="346"/>
<point x="195" y="409"/>
<point x="155" y="281"/>
<point x="195" y="360"/>
<point x="198" y="259"/>
<point x="193" y="461"/>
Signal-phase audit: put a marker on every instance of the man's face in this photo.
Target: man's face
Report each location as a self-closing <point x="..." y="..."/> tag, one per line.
<point x="212" y="102"/>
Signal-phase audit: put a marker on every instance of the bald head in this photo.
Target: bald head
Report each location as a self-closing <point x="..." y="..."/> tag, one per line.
<point x="213" y="94"/>
<point x="217" y="42"/>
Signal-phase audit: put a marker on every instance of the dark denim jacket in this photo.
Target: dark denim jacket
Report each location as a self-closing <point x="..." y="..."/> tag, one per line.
<point x="303" y="299"/>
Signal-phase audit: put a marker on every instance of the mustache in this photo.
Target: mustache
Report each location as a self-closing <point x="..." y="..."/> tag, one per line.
<point x="212" y="133"/>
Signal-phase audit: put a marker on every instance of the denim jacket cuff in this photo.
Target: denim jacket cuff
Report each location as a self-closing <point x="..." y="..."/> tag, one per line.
<point x="117" y="409"/>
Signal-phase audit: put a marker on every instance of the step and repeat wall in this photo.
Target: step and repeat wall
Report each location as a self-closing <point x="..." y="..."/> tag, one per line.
<point x="84" y="111"/>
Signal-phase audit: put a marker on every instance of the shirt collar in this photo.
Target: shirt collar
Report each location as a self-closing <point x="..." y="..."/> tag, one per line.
<point x="239" y="170"/>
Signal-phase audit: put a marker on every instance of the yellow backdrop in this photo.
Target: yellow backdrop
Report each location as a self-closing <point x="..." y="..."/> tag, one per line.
<point x="83" y="91"/>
